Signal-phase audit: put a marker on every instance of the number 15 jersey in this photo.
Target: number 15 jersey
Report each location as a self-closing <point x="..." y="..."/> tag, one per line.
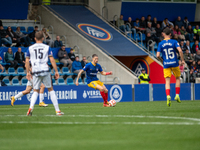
<point x="168" y="49"/>
<point x="39" y="54"/>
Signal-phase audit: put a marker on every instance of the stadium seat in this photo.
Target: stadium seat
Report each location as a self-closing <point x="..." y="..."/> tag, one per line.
<point x="30" y="29"/>
<point x="54" y="82"/>
<point x="65" y="71"/>
<point x="6" y="81"/>
<point x="3" y="73"/>
<point x="11" y="71"/>
<point x="61" y="81"/>
<point x="5" y="27"/>
<point x="70" y="81"/>
<point x="24" y="81"/>
<point x="15" y="82"/>
<point x="20" y="71"/>
<point x="23" y="29"/>
<point x="85" y="81"/>
<point x="14" y="28"/>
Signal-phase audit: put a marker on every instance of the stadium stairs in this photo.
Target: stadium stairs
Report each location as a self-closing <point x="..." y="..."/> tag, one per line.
<point x="65" y="19"/>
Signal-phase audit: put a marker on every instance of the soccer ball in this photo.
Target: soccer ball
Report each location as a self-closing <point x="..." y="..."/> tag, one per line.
<point x="112" y="103"/>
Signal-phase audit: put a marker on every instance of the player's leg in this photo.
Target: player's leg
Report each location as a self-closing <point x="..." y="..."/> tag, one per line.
<point x="177" y="74"/>
<point x="104" y="93"/>
<point x="41" y="96"/>
<point x="53" y="96"/>
<point x="167" y="76"/>
<point x="36" y="87"/>
<point x="20" y="94"/>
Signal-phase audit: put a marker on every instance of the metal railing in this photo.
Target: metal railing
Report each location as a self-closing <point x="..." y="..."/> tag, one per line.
<point x="40" y="19"/>
<point x="77" y="47"/>
<point x="118" y="80"/>
<point x="65" y="39"/>
<point x="114" y="22"/>
<point x="105" y="8"/>
<point x="50" y="28"/>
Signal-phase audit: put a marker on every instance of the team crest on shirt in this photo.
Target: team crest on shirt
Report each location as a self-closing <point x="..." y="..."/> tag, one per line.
<point x="95" y="32"/>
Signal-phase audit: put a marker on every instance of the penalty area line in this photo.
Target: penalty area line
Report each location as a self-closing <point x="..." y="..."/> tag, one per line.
<point x="100" y="123"/>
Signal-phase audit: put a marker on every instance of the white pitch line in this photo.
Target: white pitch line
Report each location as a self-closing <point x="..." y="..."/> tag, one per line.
<point x="112" y="116"/>
<point x="101" y="123"/>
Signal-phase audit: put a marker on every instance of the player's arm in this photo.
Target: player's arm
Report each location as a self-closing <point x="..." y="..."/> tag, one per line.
<point x="158" y="53"/>
<point x="79" y="74"/>
<point x="27" y="65"/>
<point x="181" y="55"/>
<point x="106" y="73"/>
<point x="53" y="63"/>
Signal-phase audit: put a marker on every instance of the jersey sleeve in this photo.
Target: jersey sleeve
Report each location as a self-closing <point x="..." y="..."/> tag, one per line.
<point x="28" y="53"/>
<point x="159" y="48"/>
<point x="177" y="44"/>
<point x="86" y="67"/>
<point x="50" y="53"/>
<point x="100" y="68"/>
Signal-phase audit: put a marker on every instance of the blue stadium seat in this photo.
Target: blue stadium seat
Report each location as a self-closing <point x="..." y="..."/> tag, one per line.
<point x="30" y="29"/>
<point x="6" y="81"/>
<point x="15" y="82"/>
<point x="23" y="29"/>
<point x="191" y="44"/>
<point x="3" y="73"/>
<point x="11" y="71"/>
<point x="14" y="28"/>
<point x="24" y="81"/>
<point x="5" y="27"/>
<point x="85" y="81"/>
<point x="70" y="81"/>
<point x="54" y="82"/>
<point x="61" y="81"/>
<point x="20" y="71"/>
<point x="65" y="71"/>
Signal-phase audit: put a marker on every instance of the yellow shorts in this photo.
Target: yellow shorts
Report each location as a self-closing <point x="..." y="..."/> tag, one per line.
<point x="94" y="84"/>
<point x="168" y="72"/>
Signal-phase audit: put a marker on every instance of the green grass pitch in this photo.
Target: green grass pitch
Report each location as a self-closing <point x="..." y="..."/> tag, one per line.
<point x="131" y="125"/>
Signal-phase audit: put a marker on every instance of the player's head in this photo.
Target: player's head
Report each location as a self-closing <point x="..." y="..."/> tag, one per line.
<point x="166" y="32"/>
<point x="95" y="58"/>
<point x="39" y="36"/>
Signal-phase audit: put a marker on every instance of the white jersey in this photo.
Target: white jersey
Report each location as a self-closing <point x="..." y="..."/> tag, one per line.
<point x="38" y="54"/>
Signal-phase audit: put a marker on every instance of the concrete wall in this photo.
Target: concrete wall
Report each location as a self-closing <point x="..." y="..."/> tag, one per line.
<point x="86" y="47"/>
<point x="114" y="8"/>
<point x="197" y="14"/>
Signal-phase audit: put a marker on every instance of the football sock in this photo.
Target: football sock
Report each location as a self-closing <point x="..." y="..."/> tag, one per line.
<point x="106" y="98"/>
<point x="33" y="99"/>
<point x="54" y="100"/>
<point x="103" y="96"/>
<point x="20" y="94"/>
<point x="177" y="90"/>
<point x="167" y="92"/>
<point x="41" y="97"/>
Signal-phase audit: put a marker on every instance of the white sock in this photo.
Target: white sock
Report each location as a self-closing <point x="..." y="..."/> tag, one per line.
<point x="41" y="97"/>
<point x="20" y="94"/>
<point x="33" y="99"/>
<point x="177" y="94"/>
<point x="54" y="100"/>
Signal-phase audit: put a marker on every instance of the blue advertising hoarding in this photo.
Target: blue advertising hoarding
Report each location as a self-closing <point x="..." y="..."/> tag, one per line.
<point x="69" y="94"/>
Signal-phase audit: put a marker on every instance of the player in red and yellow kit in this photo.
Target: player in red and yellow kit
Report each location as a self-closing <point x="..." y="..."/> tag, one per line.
<point x="170" y="62"/>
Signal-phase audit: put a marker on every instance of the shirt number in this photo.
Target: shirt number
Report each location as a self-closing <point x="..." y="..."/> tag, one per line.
<point x="169" y="53"/>
<point x="38" y="53"/>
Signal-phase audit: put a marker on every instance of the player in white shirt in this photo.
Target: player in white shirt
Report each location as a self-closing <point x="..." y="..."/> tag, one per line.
<point x="28" y="89"/>
<point x="39" y="54"/>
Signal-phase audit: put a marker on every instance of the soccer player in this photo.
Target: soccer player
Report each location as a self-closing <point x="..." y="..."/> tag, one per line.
<point x="92" y="69"/>
<point x="170" y="62"/>
<point x="39" y="54"/>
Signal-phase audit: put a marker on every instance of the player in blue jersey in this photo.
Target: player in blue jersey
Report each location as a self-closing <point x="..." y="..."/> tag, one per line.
<point x="92" y="69"/>
<point x="170" y="62"/>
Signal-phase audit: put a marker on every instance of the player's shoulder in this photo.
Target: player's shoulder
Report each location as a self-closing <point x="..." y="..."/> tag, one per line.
<point x="88" y="64"/>
<point x="98" y="65"/>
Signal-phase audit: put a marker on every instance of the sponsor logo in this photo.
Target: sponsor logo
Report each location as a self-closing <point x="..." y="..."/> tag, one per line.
<point x="116" y="93"/>
<point x="171" y="62"/>
<point x="72" y="94"/>
<point x="138" y="64"/>
<point x="95" y="32"/>
<point x="91" y="94"/>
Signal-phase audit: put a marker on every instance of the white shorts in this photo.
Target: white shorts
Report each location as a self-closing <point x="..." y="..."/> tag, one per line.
<point x="46" y="80"/>
<point x="30" y="83"/>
